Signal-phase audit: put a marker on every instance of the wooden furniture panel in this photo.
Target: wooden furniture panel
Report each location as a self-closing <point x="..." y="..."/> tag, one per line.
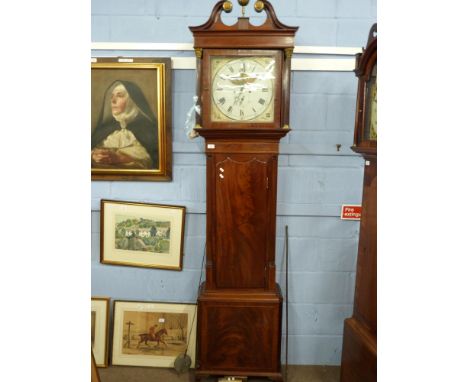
<point x="239" y="316"/>
<point x="241" y="210"/>
<point x="241" y="221"/>
<point x="359" y="356"/>
<point x="359" y="361"/>
<point x="240" y="333"/>
<point x="365" y="299"/>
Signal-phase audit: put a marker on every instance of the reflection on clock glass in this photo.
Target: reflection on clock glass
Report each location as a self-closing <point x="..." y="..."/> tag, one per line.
<point x="242" y="89"/>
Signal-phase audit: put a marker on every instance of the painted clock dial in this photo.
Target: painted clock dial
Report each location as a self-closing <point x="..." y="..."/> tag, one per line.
<point x="373" y="119"/>
<point x="371" y="107"/>
<point x="243" y="89"/>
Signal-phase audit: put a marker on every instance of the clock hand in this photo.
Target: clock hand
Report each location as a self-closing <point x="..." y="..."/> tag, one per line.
<point x="239" y="79"/>
<point x="241" y="100"/>
<point x="238" y="95"/>
<point x="254" y="87"/>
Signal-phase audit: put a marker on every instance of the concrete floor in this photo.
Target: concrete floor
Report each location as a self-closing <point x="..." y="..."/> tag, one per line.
<point x="297" y="373"/>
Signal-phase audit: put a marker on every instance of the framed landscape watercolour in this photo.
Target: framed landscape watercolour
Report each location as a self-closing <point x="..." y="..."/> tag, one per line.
<point x="99" y="329"/>
<point x="142" y="234"/>
<point x="153" y="334"/>
<point x="131" y="119"/>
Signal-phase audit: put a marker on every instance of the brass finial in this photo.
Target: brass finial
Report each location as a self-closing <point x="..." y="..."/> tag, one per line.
<point x="259" y="5"/>
<point x="243" y="3"/>
<point x="227" y="6"/>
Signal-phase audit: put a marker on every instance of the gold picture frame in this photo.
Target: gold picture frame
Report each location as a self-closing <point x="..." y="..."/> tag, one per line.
<point x="100" y="330"/>
<point x="142" y="234"/>
<point x="94" y="371"/>
<point x="131" y="119"/>
<point x="153" y="334"/>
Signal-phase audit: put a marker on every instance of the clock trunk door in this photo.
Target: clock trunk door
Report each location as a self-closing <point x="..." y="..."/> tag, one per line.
<point x="241" y="221"/>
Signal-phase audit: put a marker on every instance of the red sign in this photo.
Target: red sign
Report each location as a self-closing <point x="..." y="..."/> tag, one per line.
<point x="351" y="212"/>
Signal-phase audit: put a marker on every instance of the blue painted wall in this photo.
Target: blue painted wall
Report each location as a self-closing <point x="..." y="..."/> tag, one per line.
<point x="314" y="179"/>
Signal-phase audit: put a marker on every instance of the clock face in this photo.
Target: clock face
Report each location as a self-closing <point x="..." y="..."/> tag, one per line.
<point x="373" y="116"/>
<point x="243" y="89"/>
<point x="370" y="131"/>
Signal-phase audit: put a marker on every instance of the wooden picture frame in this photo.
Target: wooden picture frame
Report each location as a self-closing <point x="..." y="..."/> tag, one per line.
<point x="153" y="334"/>
<point x="100" y="329"/>
<point x="131" y="119"/>
<point x="142" y="234"/>
<point x="94" y="371"/>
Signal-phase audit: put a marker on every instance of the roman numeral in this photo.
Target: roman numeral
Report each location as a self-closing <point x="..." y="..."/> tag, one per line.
<point x="222" y="100"/>
<point x="254" y="110"/>
<point x="230" y="109"/>
<point x="261" y="101"/>
<point x="231" y="69"/>
<point x="265" y="90"/>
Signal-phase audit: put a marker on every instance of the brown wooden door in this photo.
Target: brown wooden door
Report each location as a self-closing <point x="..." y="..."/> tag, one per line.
<point x="241" y="220"/>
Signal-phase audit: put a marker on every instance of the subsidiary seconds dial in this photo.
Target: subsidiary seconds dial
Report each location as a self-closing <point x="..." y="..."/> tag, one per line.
<point x="243" y="89"/>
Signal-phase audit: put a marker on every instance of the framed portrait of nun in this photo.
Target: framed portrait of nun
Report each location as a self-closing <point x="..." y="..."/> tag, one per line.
<point x="131" y="119"/>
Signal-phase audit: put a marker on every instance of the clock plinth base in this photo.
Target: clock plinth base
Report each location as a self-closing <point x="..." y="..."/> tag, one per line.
<point x="239" y="333"/>
<point x="359" y="357"/>
<point x="276" y="377"/>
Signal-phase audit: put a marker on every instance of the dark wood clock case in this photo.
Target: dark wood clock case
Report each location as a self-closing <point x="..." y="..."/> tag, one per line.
<point x="359" y="356"/>
<point x="240" y="303"/>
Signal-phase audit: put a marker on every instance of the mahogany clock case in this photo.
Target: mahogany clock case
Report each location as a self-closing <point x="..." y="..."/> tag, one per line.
<point x="241" y="211"/>
<point x="239" y="333"/>
<point x="240" y="304"/>
<point x="359" y="355"/>
<point x="366" y="68"/>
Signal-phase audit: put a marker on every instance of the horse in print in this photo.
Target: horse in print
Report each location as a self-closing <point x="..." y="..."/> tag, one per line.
<point x="154" y="337"/>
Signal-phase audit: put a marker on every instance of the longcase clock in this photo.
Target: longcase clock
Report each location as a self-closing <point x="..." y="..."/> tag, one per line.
<point x="359" y="356"/>
<point x="243" y="86"/>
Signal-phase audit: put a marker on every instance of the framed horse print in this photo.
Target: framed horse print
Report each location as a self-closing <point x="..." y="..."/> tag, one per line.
<point x="153" y="334"/>
<point x="99" y="329"/>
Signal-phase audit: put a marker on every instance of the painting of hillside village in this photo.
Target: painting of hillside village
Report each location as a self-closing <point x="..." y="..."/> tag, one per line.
<point x="154" y="333"/>
<point x="141" y="234"/>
